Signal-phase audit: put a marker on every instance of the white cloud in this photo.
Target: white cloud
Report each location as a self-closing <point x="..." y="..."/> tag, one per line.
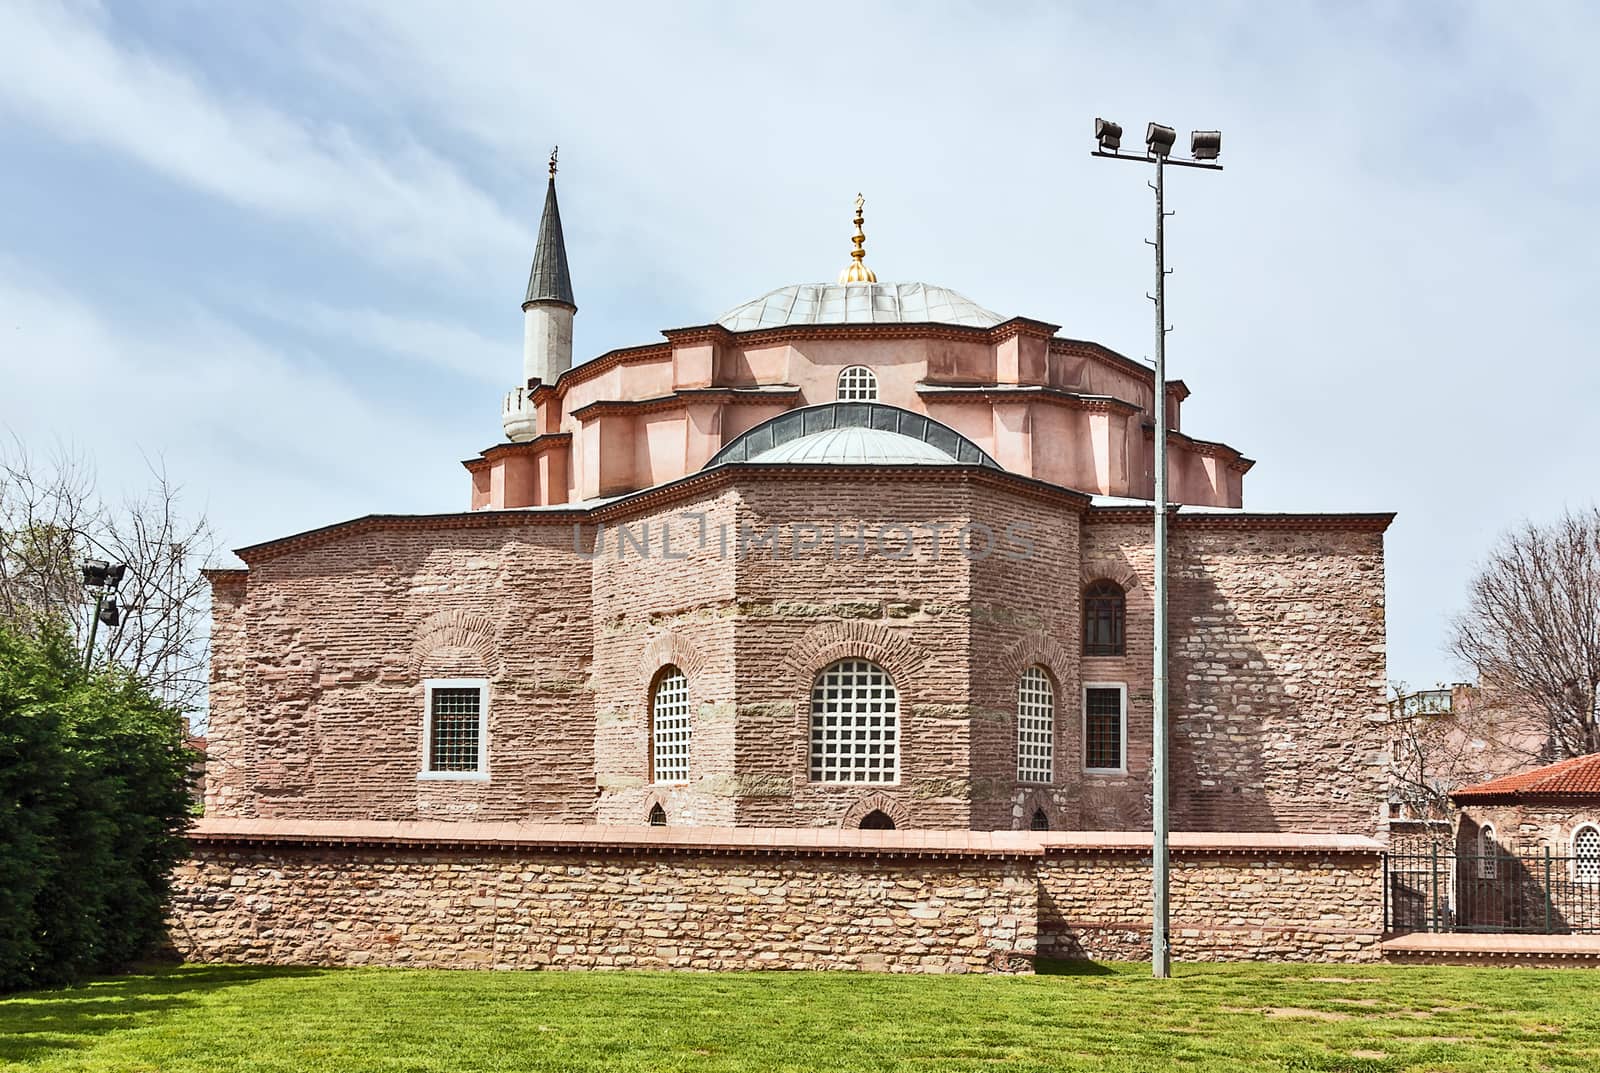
<point x="62" y="70"/>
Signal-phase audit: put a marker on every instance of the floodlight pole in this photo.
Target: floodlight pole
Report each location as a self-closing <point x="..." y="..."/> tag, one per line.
<point x="94" y="623"/>
<point x="1160" y="856"/>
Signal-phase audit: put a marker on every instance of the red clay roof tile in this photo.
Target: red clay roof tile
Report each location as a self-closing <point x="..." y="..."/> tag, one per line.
<point x="1578" y="777"/>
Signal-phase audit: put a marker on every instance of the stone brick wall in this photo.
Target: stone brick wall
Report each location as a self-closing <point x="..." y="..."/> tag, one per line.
<point x="1242" y="904"/>
<point x="471" y="895"/>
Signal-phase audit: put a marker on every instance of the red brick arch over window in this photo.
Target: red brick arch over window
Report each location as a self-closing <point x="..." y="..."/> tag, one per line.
<point x="830" y="641"/>
<point x="875" y="802"/>
<point x="1036" y="650"/>
<point x="676" y="650"/>
<point x="454" y="644"/>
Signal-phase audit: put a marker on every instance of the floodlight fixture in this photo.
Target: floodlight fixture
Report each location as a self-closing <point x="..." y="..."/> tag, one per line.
<point x="114" y="574"/>
<point x="1158" y="139"/>
<point x="95" y="571"/>
<point x="1205" y="144"/>
<point x="109" y="613"/>
<point x="1108" y="134"/>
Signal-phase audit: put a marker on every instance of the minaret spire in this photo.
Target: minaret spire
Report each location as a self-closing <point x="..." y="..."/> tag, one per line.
<point x="550" y="280"/>
<point x="857" y="271"/>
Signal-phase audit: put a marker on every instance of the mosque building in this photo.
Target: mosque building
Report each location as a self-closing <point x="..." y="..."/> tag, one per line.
<point x="853" y="554"/>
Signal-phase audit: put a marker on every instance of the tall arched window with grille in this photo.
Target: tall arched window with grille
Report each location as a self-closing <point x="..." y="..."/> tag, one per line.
<point x="1586" y="854"/>
<point x="1488" y="852"/>
<point x="855" y="724"/>
<point x="1036" y="723"/>
<point x="669" y="727"/>
<point x="857" y="384"/>
<point x="1104" y="619"/>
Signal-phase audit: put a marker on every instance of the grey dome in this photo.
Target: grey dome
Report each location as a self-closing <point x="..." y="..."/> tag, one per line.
<point x="853" y="433"/>
<point x="858" y="303"/>
<point x="856" y="446"/>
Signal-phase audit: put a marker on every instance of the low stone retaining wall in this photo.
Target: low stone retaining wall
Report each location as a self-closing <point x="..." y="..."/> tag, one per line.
<point x="508" y="896"/>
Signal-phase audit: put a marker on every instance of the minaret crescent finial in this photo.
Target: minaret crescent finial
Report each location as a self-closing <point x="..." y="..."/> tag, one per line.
<point x="553" y="153"/>
<point x="857" y="271"/>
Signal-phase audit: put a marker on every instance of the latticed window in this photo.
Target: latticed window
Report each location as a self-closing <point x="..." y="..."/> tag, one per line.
<point x="1586" y="854"/>
<point x="1104" y="728"/>
<point x="1488" y="850"/>
<point x="1104" y="611"/>
<point x="855" y="724"/>
<point x="1040" y="821"/>
<point x="658" y="815"/>
<point x="1036" y="720"/>
<point x="456" y="711"/>
<point x="858" y="384"/>
<point x="669" y="727"/>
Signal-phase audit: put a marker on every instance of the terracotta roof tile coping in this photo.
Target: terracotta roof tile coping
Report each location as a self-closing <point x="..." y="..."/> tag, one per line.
<point x="1488" y="946"/>
<point x="822" y="841"/>
<point x="1578" y="777"/>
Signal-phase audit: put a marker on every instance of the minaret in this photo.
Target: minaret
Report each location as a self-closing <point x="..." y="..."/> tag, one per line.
<point x="857" y="271"/>
<point x="548" y="309"/>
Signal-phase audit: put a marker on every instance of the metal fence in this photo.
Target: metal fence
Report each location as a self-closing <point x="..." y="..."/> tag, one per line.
<point x="1540" y="893"/>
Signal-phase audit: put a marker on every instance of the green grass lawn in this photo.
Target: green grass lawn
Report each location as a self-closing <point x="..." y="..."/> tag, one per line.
<point x="1250" y="1017"/>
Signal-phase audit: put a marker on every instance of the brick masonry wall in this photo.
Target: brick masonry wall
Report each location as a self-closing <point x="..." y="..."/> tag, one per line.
<point x="513" y="910"/>
<point x="1256" y="906"/>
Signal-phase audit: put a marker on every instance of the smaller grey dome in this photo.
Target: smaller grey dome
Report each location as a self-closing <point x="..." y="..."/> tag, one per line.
<point x="857" y="446"/>
<point x="858" y="303"/>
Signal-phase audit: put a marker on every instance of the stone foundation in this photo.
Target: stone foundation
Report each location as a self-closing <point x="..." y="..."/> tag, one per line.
<point x="510" y="896"/>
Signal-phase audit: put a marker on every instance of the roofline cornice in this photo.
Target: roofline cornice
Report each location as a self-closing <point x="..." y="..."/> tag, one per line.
<point x="978" y="393"/>
<point x="1371" y="522"/>
<point x="730" y="395"/>
<point x="540" y="444"/>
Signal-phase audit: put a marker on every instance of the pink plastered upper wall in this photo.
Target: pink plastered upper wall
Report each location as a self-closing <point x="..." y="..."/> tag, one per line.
<point x="1068" y="412"/>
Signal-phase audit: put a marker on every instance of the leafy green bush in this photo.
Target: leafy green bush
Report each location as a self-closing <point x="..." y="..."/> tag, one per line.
<point x="94" y="797"/>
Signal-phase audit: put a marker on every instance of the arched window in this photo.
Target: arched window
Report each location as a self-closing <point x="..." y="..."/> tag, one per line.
<point x="858" y="384"/>
<point x="1040" y="821"/>
<point x="1104" y="608"/>
<point x="855" y="724"/>
<point x="1586" y="854"/>
<point x="658" y="815"/>
<point x="1488" y="852"/>
<point x="669" y="727"/>
<point x="877" y="820"/>
<point x="1036" y="721"/>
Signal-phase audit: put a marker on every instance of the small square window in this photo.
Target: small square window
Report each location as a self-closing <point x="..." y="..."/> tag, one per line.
<point x="455" y="729"/>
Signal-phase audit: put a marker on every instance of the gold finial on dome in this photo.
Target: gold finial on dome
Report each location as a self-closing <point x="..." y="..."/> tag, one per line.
<point x="857" y="271"/>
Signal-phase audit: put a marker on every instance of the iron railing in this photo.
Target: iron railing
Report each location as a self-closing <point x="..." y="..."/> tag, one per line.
<point x="1440" y="890"/>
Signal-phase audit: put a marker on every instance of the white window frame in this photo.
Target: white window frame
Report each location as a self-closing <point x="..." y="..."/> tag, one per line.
<point x="668" y="671"/>
<point x="1488" y="851"/>
<point x="1032" y="778"/>
<point x="1083" y="726"/>
<point x="857" y="384"/>
<point x="816" y="745"/>
<point x="428" y="687"/>
<point x="1587" y="881"/>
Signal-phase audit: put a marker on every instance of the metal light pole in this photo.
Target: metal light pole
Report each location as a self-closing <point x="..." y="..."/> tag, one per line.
<point x="1204" y="147"/>
<point x="103" y="578"/>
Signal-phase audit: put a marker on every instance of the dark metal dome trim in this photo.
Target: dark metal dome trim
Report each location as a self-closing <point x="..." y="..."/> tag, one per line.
<point x="831" y="415"/>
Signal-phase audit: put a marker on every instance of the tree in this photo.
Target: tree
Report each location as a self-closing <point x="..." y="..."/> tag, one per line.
<point x="52" y="519"/>
<point x="94" y="797"/>
<point x="1531" y="628"/>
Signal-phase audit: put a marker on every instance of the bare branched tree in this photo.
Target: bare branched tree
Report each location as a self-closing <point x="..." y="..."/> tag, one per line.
<point x="1532" y="626"/>
<point x="52" y="519"/>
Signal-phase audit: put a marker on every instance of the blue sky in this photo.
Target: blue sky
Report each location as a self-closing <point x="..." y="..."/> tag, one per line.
<point x="281" y="247"/>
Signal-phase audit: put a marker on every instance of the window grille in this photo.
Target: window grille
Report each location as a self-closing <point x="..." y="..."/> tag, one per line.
<point x="1040" y="821"/>
<point x="854" y="724"/>
<point x="1104" y="619"/>
<point x="1487" y="851"/>
<point x="658" y="815"/>
<point x="1586" y="854"/>
<point x="455" y="721"/>
<point x="1036" y="718"/>
<point x="858" y="384"/>
<point x="1103" y="728"/>
<point x="669" y="727"/>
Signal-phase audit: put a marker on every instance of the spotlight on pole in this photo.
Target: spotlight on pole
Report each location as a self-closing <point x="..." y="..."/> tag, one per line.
<point x="103" y="578"/>
<point x="1205" y="144"/>
<point x="114" y="574"/>
<point x="95" y="571"/>
<point x="1108" y="134"/>
<point x="109" y="613"/>
<point x="1158" y="139"/>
